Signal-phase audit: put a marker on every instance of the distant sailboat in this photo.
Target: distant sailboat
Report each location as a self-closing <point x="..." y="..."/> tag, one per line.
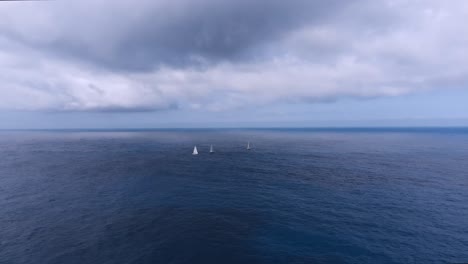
<point x="248" y="145"/>
<point x="211" y="149"/>
<point x="195" y="151"/>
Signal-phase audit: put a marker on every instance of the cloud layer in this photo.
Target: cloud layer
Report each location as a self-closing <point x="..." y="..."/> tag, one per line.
<point x="219" y="55"/>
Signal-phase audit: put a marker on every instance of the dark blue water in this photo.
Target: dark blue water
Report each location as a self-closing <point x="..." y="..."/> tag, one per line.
<point x="300" y="196"/>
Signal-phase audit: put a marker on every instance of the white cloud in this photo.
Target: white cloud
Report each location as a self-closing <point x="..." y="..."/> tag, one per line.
<point x="417" y="45"/>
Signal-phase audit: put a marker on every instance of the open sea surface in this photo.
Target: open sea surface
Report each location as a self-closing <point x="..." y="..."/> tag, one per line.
<point x="299" y="196"/>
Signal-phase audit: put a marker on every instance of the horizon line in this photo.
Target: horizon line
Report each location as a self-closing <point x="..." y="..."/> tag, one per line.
<point x="241" y="128"/>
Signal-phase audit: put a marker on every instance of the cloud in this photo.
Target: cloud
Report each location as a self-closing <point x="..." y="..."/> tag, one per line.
<point x="219" y="55"/>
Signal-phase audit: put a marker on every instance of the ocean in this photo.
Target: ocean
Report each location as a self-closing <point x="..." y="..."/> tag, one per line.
<point x="298" y="196"/>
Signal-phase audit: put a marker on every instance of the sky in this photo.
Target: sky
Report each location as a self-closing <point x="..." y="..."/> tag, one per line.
<point x="226" y="63"/>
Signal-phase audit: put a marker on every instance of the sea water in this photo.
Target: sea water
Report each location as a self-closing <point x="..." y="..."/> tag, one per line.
<point x="298" y="196"/>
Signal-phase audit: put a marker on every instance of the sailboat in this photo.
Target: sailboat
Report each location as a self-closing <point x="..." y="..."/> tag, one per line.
<point x="195" y="151"/>
<point x="211" y="149"/>
<point x="248" y="145"/>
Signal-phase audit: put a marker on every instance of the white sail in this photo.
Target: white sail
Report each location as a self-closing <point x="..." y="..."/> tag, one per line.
<point x="211" y="149"/>
<point x="248" y="145"/>
<point x="195" y="151"/>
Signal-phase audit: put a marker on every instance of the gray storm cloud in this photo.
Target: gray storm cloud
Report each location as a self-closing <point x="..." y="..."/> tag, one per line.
<point x="218" y="55"/>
